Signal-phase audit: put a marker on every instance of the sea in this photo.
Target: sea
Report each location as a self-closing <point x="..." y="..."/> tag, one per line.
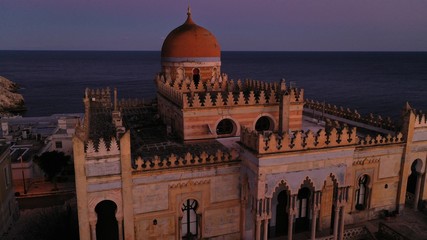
<point x="371" y="82"/>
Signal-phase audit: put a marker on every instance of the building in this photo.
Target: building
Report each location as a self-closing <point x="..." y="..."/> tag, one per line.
<point x="8" y="207"/>
<point x="30" y="136"/>
<point x="237" y="159"/>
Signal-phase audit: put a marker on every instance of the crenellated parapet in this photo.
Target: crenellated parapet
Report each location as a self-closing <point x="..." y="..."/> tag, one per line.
<point x="297" y="140"/>
<point x="381" y="140"/>
<point x="99" y="95"/>
<point x="371" y="119"/>
<point x="169" y="91"/>
<point x="420" y="120"/>
<point x="102" y="147"/>
<point x="189" y="160"/>
<point x="225" y="93"/>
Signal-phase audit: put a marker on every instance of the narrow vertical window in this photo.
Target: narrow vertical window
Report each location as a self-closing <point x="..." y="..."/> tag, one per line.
<point x="189" y="226"/>
<point x="196" y="76"/>
<point x="362" y="193"/>
<point x="302" y="220"/>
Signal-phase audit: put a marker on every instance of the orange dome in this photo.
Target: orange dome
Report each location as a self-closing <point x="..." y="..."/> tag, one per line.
<point x="190" y="41"/>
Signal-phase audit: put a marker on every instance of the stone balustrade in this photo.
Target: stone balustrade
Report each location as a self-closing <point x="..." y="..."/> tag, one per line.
<point x="371" y="119"/>
<point x="189" y="160"/>
<point x="131" y="103"/>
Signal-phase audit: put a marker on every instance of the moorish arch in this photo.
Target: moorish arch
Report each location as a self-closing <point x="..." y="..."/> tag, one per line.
<point x="413" y="186"/>
<point x="280" y="210"/>
<point x="196" y="76"/>
<point x="327" y="209"/>
<point x="303" y="205"/>
<point x="190" y="218"/>
<point x="106" y="224"/>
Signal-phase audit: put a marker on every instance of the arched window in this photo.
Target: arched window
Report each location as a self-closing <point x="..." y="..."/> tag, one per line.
<point x="303" y="207"/>
<point x="106" y="225"/>
<point x="196" y="76"/>
<point x="281" y="214"/>
<point x="189" y="223"/>
<point x="362" y="193"/>
<point x="225" y="126"/>
<point x="263" y="124"/>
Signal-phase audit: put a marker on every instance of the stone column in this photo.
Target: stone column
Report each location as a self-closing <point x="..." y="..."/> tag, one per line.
<point x="93" y="230"/>
<point x="342" y="223"/>
<point x="258" y="230"/>
<point x="290" y="224"/>
<point x="336" y="218"/>
<point x="417" y="191"/>
<point x="313" y="224"/>
<point x="266" y="229"/>
<point x="120" y="223"/>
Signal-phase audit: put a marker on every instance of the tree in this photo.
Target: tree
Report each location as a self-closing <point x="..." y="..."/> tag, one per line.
<point x="52" y="163"/>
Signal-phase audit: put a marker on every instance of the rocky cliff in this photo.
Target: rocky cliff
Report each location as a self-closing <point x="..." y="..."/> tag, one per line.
<point x="10" y="100"/>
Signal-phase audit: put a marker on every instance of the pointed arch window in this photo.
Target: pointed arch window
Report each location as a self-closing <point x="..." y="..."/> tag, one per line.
<point x="196" y="76"/>
<point x="190" y="220"/>
<point x="362" y="193"/>
<point x="302" y="215"/>
<point x="303" y="203"/>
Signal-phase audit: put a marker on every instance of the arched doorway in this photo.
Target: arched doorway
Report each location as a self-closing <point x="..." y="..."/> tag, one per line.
<point x="282" y="216"/>
<point x="190" y="220"/>
<point x="413" y="185"/>
<point x="196" y="76"/>
<point x="106" y="225"/>
<point x="226" y="127"/>
<point x="264" y="123"/>
<point x="302" y="217"/>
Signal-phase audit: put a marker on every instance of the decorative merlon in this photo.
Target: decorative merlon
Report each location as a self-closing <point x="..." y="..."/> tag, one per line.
<point x="420" y="120"/>
<point x="101" y="147"/>
<point x="381" y="140"/>
<point x="225" y="94"/>
<point x="189" y="159"/>
<point x="298" y="140"/>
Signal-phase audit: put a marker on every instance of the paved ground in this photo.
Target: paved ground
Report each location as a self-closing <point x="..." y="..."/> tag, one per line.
<point x="41" y="194"/>
<point x="410" y="224"/>
<point x="40" y="187"/>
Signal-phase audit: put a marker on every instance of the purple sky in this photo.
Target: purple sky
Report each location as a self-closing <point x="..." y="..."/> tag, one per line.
<point x="258" y="25"/>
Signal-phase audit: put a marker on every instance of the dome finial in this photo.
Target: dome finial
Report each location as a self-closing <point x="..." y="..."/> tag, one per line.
<point x="188" y="9"/>
<point x="189" y="20"/>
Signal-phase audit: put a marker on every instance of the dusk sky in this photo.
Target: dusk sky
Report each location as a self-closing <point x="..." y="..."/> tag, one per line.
<point x="255" y="25"/>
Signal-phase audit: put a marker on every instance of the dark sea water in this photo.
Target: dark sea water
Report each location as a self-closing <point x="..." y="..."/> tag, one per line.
<point x="377" y="82"/>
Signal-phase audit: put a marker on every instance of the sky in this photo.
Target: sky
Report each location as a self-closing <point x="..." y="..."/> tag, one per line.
<point x="239" y="25"/>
